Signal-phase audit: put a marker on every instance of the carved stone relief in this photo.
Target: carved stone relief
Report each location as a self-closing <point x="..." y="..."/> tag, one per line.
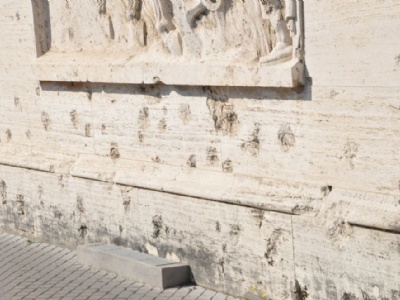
<point x="249" y="34"/>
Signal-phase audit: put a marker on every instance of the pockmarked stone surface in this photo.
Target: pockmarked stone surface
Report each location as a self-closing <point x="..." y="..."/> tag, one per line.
<point x="289" y="192"/>
<point x="31" y="270"/>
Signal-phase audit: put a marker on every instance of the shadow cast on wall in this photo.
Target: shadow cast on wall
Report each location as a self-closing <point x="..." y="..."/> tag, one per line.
<point x="301" y="93"/>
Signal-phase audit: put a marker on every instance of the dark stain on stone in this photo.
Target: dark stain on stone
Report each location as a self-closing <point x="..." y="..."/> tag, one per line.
<point x="272" y="246"/>
<point x="121" y="229"/>
<point x="143" y="119"/>
<point x="21" y="203"/>
<point x="227" y="166"/>
<point x="40" y="194"/>
<point x="157" y="160"/>
<point x="8" y="135"/>
<point x="114" y="151"/>
<point x="331" y="289"/>
<point x="79" y="204"/>
<point x="3" y="192"/>
<point x="141" y="137"/>
<point x="224" y="117"/>
<point x="350" y="153"/>
<point x="216" y="94"/>
<point x="157" y="225"/>
<point x="167" y="229"/>
<point x="17" y="104"/>
<point x="221" y="266"/>
<point x="74" y="118"/>
<point x="126" y="200"/>
<point x="299" y="292"/>
<point x="252" y="145"/>
<point x="191" y="162"/>
<point x="333" y="94"/>
<point x="162" y="125"/>
<point x="300" y="209"/>
<point x="103" y="129"/>
<point x="258" y="214"/>
<point x="348" y="296"/>
<point x="365" y="296"/>
<point x="235" y="229"/>
<point x="57" y="214"/>
<point x="71" y="33"/>
<point x="326" y="190"/>
<point x="224" y="248"/>
<point x="396" y="294"/>
<point x="185" y="113"/>
<point x="397" y="59"/>
<point x="286" y="137"/>
<point x="46" y="121"/>
<point x="28" y="134"/>
<point x="88" y="130"/>
<point x="134" y="244"/>
<point x="212" y="157"/>
<point x="83" y="230"/>
<point x="217" y="226"/>
<point x="89" y="94"/>
<point x="60" y="181"/>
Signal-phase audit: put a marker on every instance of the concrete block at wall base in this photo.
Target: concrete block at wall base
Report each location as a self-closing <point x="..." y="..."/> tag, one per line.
<point x="145" y="268"/>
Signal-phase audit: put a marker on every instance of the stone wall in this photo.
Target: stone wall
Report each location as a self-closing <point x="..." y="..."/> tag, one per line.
<point x="292" y="192"/>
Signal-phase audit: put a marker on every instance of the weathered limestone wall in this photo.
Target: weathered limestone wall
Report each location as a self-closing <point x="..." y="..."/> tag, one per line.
<point x="294" y="191"/>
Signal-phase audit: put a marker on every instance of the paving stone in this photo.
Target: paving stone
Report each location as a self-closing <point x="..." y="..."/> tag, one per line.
<point x="41" y="271"/>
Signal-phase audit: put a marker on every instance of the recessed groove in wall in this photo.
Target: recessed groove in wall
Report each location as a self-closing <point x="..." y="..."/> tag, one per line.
<point x="376" y="228"/>
<point x="26" y="168"/>
<point x="161" y="190"/>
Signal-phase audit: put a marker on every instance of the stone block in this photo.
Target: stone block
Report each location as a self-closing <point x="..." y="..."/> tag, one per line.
<point x="151" y="270"/>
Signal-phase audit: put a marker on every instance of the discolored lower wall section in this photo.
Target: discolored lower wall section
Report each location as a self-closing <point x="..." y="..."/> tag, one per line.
<point x="239" y="250"/>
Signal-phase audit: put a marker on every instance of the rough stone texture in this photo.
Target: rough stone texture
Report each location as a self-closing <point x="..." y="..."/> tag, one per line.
<point x="289" y="192"/>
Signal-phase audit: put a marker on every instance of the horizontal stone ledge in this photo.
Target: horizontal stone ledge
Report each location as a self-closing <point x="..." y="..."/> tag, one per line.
<point x="122" y="68"/>
<point x="363" y="208"/>
<point x="268" y="194"/>
<point x="141" y="267"/>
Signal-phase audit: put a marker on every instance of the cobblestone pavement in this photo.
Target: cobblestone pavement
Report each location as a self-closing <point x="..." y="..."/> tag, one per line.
<point x="42" y="271"/>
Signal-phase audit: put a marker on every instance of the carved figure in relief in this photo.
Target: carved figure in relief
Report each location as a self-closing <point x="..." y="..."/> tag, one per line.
<point x="134" y="9"/>
<point x="282" y="16"/>
<point x="102" y="7"/>
<point x="170" y="36"/>
<point x="107" y="23"/>
<point x="138" y="25"/>
<point x="188" y="12"/>
<point x="197" y="7"/>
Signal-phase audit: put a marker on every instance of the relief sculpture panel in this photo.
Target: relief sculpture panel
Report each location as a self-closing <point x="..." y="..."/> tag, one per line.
<point x="183" y="42"/>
